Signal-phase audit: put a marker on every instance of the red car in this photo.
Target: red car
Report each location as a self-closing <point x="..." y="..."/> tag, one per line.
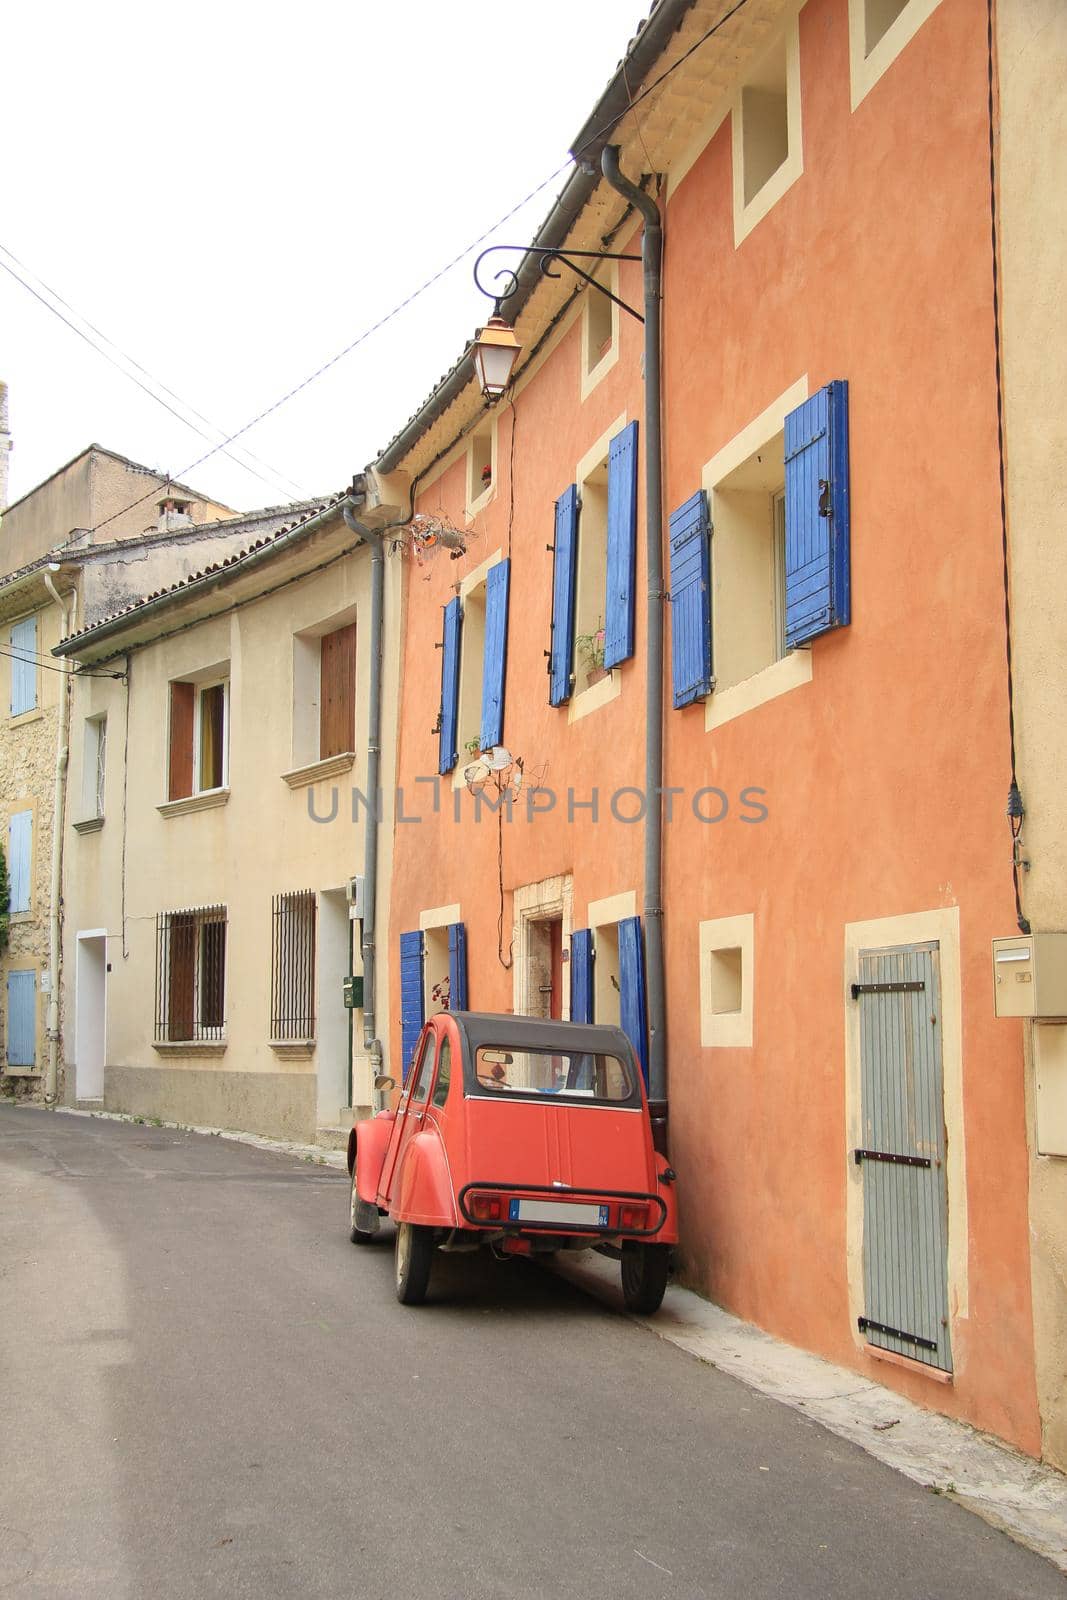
<point x="528" y="1136"/>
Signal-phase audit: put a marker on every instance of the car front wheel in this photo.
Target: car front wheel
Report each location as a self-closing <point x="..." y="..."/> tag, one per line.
<point x="358" y="1235"/>
<point x="645" y="1269"/>
<point x="414" y="1256"/>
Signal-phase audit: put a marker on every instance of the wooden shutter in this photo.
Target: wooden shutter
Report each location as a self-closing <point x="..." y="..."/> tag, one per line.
<point x="496" y="650"/>
<point x="19" y="858"/>
<point x="448" y="747"/>
<point x="337" y="692"/>
<point x="581" y="975"/>
<point x="622" y="547"/>
<point x="181" y="935"/>
<point x="182" y="701"/>
<point x="817" y="584"/>
<point x="905" y="1202"/>
<point x="24" y="666"/>
<point x="457" y="967"/>
<point x="633" y="1009"/>
<point x="21" y="1019"/>
<point x="690" y="582"/>
<point x="564" y="577"/>
<point x="412" y="1012"/>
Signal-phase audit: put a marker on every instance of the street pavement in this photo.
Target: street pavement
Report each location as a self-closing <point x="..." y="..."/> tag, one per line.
<point x="208" y="1391"/>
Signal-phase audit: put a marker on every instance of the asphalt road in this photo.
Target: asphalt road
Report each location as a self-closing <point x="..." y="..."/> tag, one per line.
<point x="208" y="1391"/>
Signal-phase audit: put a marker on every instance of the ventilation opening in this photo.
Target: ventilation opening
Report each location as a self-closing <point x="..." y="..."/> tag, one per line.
<point x="878" y="18"/>
<point x="600" y="312"/>
<point x="725" y="976"/>
<point x="765" y="120"/>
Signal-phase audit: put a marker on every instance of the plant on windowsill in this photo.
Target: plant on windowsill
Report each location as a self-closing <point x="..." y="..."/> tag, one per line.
<point x="590" y="647"/>
<point x="473" y="748"/>
<point x="441" y="993"/>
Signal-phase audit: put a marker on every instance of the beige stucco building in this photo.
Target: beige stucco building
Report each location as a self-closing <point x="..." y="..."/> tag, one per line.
<point x="97" y="535"/>
<point x="1032" y="153"/>
<point x="215" y="908"/>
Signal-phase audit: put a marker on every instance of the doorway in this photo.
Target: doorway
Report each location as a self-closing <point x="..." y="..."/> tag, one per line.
<point x="333" y="1031"/>
<point x="90" y="1008"/>
<point x="544" y="977"/>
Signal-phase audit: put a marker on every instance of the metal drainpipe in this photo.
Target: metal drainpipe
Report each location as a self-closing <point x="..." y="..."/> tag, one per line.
<point x="58" y="806"/>
<point x="371" y="1043"/>
<point x="651" y="259"/>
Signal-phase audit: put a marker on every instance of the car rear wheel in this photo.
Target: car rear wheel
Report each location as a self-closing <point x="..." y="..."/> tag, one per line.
<point x="357" y="1235"/>
<point x="645" y="1269"/>
<point x="414" y="1257"/>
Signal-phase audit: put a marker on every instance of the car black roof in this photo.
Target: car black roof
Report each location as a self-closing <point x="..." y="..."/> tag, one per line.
<point x="534" y="1033"/>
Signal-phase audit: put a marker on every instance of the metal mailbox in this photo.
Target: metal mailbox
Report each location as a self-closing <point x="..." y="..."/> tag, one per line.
<point x="1030" y="975"/>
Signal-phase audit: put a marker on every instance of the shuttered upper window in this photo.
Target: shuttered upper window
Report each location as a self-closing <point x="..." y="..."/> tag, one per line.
<point x="337" y="692"/>
<point x="19" y="860"/>
<point x="199" y="738"/>
<point x="474" y="666"/>
<point x="23" y="648"/>
<point x="594" y="551"/>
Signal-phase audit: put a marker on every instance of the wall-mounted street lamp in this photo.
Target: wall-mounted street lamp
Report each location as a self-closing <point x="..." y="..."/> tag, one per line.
<point x="495" y="353"/>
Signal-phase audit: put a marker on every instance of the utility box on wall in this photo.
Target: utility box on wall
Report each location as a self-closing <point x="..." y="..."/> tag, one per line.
<point x="1030" y="975"/>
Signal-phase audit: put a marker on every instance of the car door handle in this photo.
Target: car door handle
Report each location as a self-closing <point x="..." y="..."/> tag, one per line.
<point x="417" y="1116"/>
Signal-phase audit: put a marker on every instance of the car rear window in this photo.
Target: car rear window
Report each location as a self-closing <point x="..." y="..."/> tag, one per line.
<point x="534" y="1074"/>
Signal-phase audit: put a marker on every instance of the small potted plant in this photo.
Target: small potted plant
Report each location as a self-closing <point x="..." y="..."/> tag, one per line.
<point x="590" y="647"/>
<point x="473" y="748"/>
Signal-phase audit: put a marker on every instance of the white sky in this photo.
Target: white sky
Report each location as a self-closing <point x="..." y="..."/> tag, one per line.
<point x="231" y="193"/>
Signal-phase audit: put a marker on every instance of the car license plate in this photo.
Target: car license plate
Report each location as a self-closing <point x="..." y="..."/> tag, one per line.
<point x="562" y="1211"/>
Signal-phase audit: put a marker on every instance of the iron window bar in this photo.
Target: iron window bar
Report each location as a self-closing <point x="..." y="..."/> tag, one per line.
<point x="292" y="986"/>
<point x="191" y="975"/>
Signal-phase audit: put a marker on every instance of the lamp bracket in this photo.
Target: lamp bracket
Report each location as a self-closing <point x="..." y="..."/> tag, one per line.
<point x="548" y="260"/>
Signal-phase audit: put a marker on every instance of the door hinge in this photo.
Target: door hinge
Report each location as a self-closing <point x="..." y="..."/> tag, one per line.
<point x="913" y="986"/>
<point x="888" y="1155"/>
<point x="867" y="1325"/>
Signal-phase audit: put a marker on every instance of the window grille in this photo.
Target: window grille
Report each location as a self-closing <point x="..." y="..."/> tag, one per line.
<point x="292" y="985"/>
<point x="191" y="974"/>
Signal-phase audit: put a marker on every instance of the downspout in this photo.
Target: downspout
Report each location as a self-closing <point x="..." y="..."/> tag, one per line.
<point x="376" y="540"/>
<point x="58" y="808"/>
<point x="651" y="259"/>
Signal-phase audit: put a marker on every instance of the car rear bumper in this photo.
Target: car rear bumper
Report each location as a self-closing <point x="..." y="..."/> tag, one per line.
<point x="611" y="1199"/>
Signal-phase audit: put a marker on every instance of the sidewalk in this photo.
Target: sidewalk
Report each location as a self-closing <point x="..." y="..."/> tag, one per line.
<point x="1022" y="1497"/>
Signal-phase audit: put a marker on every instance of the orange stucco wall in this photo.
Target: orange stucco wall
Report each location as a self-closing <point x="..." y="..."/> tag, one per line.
<point x="885" y="777"/>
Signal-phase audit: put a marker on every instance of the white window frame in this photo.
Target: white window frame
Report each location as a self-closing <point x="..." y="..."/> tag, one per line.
<point x="200" y="689"/>
<point x="867" y="66"/>
<point x="748" y="214"/>
<point x="477" y="496"/>
<point x="594" y="368"/>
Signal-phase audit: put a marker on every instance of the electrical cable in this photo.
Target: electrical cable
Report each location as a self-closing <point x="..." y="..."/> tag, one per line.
<point x="47" y="666"/>
<point x="279" y="479"/>
<point x="1015" y="809"/>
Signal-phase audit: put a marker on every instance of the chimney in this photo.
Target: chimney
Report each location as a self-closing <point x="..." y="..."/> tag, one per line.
<point x="5" y="445"/>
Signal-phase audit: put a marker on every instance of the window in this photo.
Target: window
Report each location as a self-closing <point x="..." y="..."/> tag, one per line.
<point x="93" y="766"/>
<point x="191" y="975"/>
<point x="878" y="32"/>
<point x="594" y="567"/>
<point x="726" y="958"/>
<point x="422" y="1082"/>
<point x="292" y="986"/>
<point x="199" y="737"/>
<point x="19" y="860"/>
<point x="748" y="565"/>
<point x="324" y="691"/>
<point x="23" y="646"/>
<point x="481" y="466"/>
<point x="766" y="133"/>
<point x="473" y="667"/>
<point x="444" y="1073"/>
<point x="608" y="973"/>
<point x="600" y="329"/>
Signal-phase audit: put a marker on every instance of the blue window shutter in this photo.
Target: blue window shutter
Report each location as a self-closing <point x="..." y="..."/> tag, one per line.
<point x="19" y="848"/>
<point x="24" y="666"/>
<point x="690" y="601"/>
<point x="581" y="975"/>
<point x="564" y="574"/>
<point x="21" y="1019"/>
<point x="449" y="749"/>
<point x="633" y="1010"/>
<point x="412" y="1012"/>
<point x="817" y="596"/>
<point x="457" y="966"/>
<point x="622" y="547"/>
<point x="496" y="653"/>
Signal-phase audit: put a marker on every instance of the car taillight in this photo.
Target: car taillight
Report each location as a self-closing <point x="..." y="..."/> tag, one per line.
<point x="487" y="1207"/>
<point x="633" y="1216"/>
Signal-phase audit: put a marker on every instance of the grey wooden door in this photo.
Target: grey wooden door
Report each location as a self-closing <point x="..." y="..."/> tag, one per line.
<point x="905" y="1203"/>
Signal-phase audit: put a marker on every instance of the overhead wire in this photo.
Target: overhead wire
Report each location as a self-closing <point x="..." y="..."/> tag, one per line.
<point x="275" y="479"/>
<point x="48" y="666"/>
<point x="435" y="277"/>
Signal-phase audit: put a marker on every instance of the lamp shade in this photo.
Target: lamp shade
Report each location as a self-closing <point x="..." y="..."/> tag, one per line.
<point x="495" y="352"/>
